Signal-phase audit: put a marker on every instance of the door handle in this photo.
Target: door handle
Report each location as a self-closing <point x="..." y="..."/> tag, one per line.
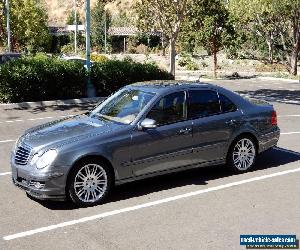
<point x="185" y="131"/>
<point x="231" y="122"/>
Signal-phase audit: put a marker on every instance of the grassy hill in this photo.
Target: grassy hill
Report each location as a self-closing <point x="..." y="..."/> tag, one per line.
<point x="58" y="10"/>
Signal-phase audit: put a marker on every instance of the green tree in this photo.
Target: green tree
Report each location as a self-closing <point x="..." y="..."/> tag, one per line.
<point x="260" y="18"/>
<point x="3" y="35"/>
<point x="289" y="33"/>
<point x="122" y="20"/>
<point x="165" y="16"/>
<point x="71" y="18"/>
<point x="276" y="21"/>
<point x="28" y="25"/>
<point x="80" y="38"/>
<point x="208" y="25"/>
<point x="99" y="16"/>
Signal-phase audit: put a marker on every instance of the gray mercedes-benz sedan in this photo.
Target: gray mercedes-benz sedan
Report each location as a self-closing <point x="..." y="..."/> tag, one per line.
<point x="142" y="130"/>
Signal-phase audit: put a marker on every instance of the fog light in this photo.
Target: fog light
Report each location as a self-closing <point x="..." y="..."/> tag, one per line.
<point x="37" y="184"/>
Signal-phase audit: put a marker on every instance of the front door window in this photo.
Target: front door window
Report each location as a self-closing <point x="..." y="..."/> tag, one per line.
<point x="170" y="109"/>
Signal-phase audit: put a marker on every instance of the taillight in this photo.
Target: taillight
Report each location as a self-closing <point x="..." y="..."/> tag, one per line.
<point x="274" y="118"/>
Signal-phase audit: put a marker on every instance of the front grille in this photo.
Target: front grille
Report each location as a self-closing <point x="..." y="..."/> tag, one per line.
<point x="22" y="154"/>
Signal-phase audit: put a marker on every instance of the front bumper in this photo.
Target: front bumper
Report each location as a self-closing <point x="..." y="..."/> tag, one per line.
<point x="47" y="184"/>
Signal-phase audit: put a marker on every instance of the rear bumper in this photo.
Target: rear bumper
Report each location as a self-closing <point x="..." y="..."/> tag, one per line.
<point x="47" y="185"/>
<point x="268" y="140"/>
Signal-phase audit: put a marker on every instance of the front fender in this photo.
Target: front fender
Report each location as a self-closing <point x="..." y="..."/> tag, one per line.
<point x="69" y="157"/>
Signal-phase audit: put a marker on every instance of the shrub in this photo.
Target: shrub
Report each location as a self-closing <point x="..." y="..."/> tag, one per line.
<point x="114" y="74"/>
<point x="99" y="58"/>
<point x="204" y="65"/>
<point x="275" y="67"/>
<point x="41" y="78"/>
<point x="185" y="59"/>
<point x="192" y="66"/>
<point x="128" y="58"/>
<point x="67" y="49"/>
<point x="155" y="50"/>
<point x="141" y="49"/>
<point x="131" y="49"/>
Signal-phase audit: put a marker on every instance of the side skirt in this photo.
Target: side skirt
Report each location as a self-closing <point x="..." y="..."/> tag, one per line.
<point x="169" y="171"/>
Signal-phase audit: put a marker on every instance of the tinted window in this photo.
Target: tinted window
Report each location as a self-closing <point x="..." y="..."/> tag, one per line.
<point x="226" y="104"/>
<point x="203" y="103"/>
<point x="169" y="109"/>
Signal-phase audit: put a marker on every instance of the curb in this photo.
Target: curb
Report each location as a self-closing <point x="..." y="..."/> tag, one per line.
<point x="280" y="79"/>
<point x="195" y="78"/>
<point x="52" y="103"/>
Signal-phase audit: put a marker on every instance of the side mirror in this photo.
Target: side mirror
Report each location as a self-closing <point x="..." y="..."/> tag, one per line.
<point x="147" y="124"/>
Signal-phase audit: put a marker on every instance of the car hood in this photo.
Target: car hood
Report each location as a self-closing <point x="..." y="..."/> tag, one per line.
<point x="66" y="130"/>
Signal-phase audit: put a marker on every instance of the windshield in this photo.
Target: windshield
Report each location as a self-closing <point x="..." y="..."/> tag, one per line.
<point x="123" y="106"/>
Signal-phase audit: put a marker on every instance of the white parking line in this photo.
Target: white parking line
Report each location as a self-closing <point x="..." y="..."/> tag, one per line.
<point x="290" y="133"/>
<point x="288" y="116"/>
<point x="5" y="141"/>
<point x="6" y="173"/>
<point x="35" y="119"/>
<point x="146" y="205"/>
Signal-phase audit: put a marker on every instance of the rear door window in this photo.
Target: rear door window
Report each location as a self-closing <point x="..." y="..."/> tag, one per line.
<point x="226" y="104"/>
<point x="203" y="103"/>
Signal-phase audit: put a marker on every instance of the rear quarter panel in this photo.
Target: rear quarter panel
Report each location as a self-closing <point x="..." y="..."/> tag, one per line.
<point x="258" y="117"/>
<point x="256" y="120"/>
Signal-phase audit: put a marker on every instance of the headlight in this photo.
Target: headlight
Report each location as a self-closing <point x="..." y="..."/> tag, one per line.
<point x="44" y="160"/>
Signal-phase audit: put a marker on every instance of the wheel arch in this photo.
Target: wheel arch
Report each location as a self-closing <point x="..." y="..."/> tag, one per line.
<point x="99" y="158"/>
<point x="244" y="134"/>
<point x="229" y="158"/>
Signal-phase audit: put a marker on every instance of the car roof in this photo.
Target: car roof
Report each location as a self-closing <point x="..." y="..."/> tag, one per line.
<point x="167" y="85"/>
<point x="162" y="87"/>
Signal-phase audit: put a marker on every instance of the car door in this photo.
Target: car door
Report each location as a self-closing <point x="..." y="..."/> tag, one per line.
<point x="168" y="145"/>
<point x="214" y="120"/>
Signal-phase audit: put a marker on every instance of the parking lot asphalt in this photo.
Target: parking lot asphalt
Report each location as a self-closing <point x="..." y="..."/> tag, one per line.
<point x="206" y="208"/>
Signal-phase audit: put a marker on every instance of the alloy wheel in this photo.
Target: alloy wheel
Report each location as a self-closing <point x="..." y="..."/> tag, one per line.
<point x="90" y="183"/>
<point x="244" y="154"/>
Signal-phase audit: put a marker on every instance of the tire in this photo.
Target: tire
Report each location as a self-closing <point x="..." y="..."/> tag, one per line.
<point x="89" y="183"/>
<point x="242" y="154"/>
